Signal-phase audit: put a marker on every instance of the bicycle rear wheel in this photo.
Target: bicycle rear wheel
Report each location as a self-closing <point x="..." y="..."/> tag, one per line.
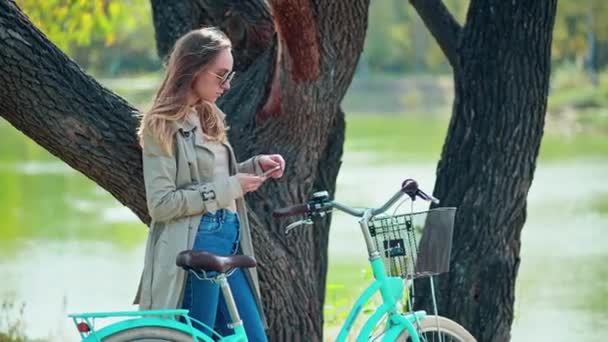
<point x="149" y="334"/>
<point x="437" y="328"/>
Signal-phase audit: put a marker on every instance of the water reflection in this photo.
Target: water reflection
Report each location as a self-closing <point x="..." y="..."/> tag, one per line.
<point x="43" y="198"/>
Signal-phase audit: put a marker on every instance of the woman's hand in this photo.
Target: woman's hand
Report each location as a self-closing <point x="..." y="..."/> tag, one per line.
<point x="249" y="182"/>
<point x="269" y="162"/>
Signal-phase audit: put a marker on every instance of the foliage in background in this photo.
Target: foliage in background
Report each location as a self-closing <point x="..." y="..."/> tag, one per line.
<point x="577" y="113"/>
<point x="114" y="36"/>
<point x="103" y="36"/>
<point x="397" y="40"/>
<point x="580" y="35"/>
<point x="77" y="23"/>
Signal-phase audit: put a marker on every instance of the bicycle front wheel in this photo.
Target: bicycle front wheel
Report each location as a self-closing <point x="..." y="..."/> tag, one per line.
<point x="149" y="334"/>
<point x="437" y="328"/>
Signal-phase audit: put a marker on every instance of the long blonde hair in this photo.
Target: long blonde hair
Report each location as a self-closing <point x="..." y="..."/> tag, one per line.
<point x="192" y="52"/>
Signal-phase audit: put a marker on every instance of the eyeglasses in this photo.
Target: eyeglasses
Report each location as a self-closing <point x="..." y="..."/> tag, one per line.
<point x="227" y="77"/>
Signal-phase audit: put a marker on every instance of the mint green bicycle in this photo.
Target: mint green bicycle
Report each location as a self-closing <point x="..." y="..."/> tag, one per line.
<point x="393" y="244"/>
<point x="401" y="248"/>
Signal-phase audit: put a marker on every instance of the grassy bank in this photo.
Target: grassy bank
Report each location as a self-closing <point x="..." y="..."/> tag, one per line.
<point x="416" y="137"/>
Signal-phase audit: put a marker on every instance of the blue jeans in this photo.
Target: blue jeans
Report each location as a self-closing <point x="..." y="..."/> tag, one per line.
<point x="219" y="234"/>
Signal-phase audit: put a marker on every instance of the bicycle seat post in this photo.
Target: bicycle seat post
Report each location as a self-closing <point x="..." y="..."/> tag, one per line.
<point x="230" y="303"/>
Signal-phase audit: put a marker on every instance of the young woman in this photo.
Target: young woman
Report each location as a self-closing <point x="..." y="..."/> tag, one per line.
<point x="195" y="187"/>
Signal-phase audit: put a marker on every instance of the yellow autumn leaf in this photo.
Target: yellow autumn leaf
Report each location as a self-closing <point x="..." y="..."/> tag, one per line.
<point x="110" y="39"/>
<point x="87" y="22"/>
<point x="99" y="10"/>
<point x="61" y="12"/>
<point x="114" y="9"/>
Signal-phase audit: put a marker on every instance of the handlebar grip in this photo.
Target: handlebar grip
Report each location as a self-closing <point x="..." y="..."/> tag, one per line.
<point x="298" y="209"/>
<point x="410" y="188"/>
<point x="423" y="195"/>
<point x="427" y="197"/>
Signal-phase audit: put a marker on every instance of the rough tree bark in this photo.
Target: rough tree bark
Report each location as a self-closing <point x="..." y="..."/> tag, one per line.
<point x="501" y="63"/>
<point x="295" y="62"/>
<point x="44" y="94"/>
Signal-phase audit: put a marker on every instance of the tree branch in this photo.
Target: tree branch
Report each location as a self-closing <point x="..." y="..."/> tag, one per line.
<point x="442" y="25"/>
<point x="297" y="29"/>
<point x="45" y="95"/>
<point x="173" y="19"/>
<point x="248" y="24"/>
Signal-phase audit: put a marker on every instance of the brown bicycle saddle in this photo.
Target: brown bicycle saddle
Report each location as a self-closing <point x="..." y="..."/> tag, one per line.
<point x="201" y="260"/>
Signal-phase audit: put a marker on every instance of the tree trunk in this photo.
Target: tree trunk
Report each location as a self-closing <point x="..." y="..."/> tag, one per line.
<point x="501" y="62"/>
<point x="294" y="69"/>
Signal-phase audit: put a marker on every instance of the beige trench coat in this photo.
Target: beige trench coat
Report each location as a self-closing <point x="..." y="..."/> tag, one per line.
<point x="179" y="189"/>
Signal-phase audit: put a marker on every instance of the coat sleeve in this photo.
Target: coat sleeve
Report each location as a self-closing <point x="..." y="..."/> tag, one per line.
<point x="166" y="202"/>
<point x="251" y="166"/>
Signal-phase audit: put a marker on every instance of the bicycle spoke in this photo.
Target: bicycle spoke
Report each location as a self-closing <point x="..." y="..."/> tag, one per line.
<point x="379" y="330"/>
<point x="435" y="336"/>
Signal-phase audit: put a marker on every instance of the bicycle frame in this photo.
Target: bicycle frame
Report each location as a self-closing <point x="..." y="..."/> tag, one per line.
<point x="391" y="291"/>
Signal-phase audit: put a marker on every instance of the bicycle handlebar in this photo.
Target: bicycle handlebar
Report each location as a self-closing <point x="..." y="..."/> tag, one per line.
<point x="321" y="205"/>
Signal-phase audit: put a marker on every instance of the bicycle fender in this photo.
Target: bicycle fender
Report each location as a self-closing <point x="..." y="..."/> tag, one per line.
<point x="106" y="331"/>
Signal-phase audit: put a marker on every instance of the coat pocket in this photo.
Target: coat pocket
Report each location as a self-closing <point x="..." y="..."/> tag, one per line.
<point x="172" y="240"/>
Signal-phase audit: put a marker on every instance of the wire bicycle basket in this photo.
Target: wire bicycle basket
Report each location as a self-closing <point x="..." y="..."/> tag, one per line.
<point x="414" y="245"/>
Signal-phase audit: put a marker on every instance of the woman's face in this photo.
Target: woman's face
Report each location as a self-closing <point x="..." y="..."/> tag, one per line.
<point x="214" y="79"/>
